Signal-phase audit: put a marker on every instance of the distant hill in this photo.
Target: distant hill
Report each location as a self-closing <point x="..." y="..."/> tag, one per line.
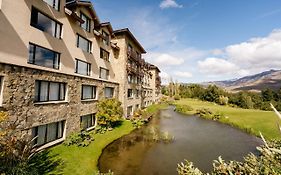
<point x="268" y="79"/>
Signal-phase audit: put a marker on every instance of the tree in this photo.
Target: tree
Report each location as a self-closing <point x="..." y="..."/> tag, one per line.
<point x="109" y="112"/>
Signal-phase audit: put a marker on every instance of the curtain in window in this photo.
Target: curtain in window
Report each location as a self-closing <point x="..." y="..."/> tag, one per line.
<point x="88" y="92"/>
<point x="62" y="91"/>
<point x="43" y="91"/>
<point x="41" y="135"/>
<point x="103" y="73"/>
<point x="82" y="68"/>
<point x="51" y="132"/>
<point x="54" y="91"/>
<point x="60" y="129"/>
<point x="108" y="92"/>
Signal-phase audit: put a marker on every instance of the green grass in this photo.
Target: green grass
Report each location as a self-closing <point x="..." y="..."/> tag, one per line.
<point x="152" y="109"/>
<point x="84" y="160"/>
<point x="249" y="120"/>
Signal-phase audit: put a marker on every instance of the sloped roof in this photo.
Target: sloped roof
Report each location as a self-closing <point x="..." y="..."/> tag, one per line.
<point x="127" y="32"/>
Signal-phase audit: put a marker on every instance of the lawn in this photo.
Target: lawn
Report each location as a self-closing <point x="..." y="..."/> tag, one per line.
<point x="247" y="119"/>
<point x="84" y="160"/>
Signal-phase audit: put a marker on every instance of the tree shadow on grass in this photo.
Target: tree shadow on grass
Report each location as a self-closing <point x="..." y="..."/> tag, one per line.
<point x="46" y="163"/>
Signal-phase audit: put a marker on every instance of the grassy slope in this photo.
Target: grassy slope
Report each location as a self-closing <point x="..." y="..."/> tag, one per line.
<point x="257" y="120"/>
<point x="84" y="160"/>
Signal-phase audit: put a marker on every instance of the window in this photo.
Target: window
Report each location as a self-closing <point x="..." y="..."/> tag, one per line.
<point x="43" y="57"/>
<point x="88" y="92"/>
<point x="54" y="3"/>
<point x="137" y="93"/>
<point x="104" y="73"/>
<point x="137" y="107"/>
<point x="87" y="22"/>
<point x="84" y="44"/>
<point x="104" y="54"/>
<point x="1" y="89"/>
<point x="83" y="68"/>
<point x="48" y="133"/>
<point x="130" y="93"/>
<point x="45" y="24"/>
<point x="105" y="38"/>
<point x="88" y="121"/>
<point x="129" y="111"/>
<point x="49" y="91"/>
<point x="108" y="92"/>
<point x="130" y="48"/>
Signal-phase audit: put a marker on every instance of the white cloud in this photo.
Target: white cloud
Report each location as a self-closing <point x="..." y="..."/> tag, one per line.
<point x="164" y="59"/>
<point x="170" y="4"/>
<point x="250" y="57"/>
<point x="216" y="66"/>
<point x="183" y="74"/>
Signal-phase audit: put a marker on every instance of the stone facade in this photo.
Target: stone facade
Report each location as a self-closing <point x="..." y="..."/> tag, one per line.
<point x="19" y="93"/>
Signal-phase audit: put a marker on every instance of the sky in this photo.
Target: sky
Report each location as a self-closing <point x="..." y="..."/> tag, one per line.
<point x="195" y="41"/>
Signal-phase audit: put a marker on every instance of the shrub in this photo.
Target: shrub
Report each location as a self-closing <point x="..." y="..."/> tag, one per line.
<point x="109" y="113"/>
<point x="204" y="112"/>
<point x="183" y="108"/>
<point x="177" y="97"/>
<point x="82" y="138"/>
<point x="223" y="100"/>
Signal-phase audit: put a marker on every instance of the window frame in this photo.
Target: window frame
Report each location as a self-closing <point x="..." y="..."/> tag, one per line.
<point x="131" y="94"/>
<point x="94" y="92"/>
<point x="1" y="88"/>
<point x="88" y="22"/>
<point x="102" y="51"/>
<point x="105" y="38"/>
<point x="90" y="44"/>
<point x="54" y="4"/>
<point x="35" y="133"/>
<point x="57" y="23"/>
<point x="107" y="73"/>
<point x="112" y="94"/>
<point x="37" y="94"/>
<point x="93" y="119"/>
<point x="33" y="61"/>
<point x="89" y="67"/>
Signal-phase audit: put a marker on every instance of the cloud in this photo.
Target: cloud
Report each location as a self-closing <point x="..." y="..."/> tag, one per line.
<point x="249" y="57"/>
<point x="183" y="74"/>
<point x="164" y="59"/>
<point x="170" y="4"/>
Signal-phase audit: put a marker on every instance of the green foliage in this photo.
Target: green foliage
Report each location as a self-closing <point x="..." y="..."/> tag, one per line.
<point x="82" y="138"/>
<point x="138" y="122"/>
<point x="109" y="113"/>
<point x="108" y="173"/>
<point x="223" y="100"/>
<point x="100" y="129"/>
<point x="183" y="108"/>
<point x="17" y="155"/>
<point x="177" y="97"/>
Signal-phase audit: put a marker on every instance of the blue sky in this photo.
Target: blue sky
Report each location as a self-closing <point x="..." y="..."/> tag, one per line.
<point x="202" y="40"/>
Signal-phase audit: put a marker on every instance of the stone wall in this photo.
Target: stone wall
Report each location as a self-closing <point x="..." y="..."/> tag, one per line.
<point x="19" y="94"/>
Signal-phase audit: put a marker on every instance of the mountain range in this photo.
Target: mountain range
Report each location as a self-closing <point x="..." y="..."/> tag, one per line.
<point x="268" y="79"/>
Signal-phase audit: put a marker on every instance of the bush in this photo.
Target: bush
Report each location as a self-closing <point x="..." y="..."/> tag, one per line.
<point x="177" y="97"/>
<point x="109" y="113"/>
<point x="183" y="108"/>
<point x="223" y="100"/>
<point x="82" y="138"/>
<point x="204" y="112"/>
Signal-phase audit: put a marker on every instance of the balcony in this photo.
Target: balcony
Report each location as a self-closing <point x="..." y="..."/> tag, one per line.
<point x="132" y="69"/>
<point x="132" y="54"/>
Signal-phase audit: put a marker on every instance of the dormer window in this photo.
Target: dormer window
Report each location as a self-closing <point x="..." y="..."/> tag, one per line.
<point x="87" y="22"/>
<point x="54" y="3"/>
<point x="105" y="38"/>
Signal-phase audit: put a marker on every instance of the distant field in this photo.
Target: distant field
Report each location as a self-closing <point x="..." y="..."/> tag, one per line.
<point x="246" y="119"/>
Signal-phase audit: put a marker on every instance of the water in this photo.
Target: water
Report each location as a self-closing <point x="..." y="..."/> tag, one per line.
<point x="198" y="140"/>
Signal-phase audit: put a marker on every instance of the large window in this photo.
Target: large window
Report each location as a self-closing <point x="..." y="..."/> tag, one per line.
<point x="87" y="22"/>
<point x="104" y="54"/>
<point x="129" y="111"/>
<point x="137" y="93"/>
<point x="47" y="133"/>
<point x="43" y="57"/>
<point x="105" y="38"/>
<point x="45" y="24"/>
<point x="104" y="73"/>
<point x="130" y="93"/>
<point x="87" y="121"/>
<point x="49" y="91"/>
<point x="84" y="44"/>
<point x="108" y="92"/>
<point x="83" y="68"/>
<point x="88" y="92"/>
<point x="54" y="3"/>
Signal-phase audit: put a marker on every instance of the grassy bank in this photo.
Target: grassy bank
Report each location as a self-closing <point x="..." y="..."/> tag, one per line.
<point x="249" y="120"/>
<point x="84" y="160"/>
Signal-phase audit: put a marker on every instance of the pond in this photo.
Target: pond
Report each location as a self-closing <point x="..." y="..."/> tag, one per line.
<point x="195" y="139"/>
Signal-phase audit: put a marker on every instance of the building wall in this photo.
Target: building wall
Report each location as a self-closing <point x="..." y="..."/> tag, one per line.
<point x="19" y="94"/>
